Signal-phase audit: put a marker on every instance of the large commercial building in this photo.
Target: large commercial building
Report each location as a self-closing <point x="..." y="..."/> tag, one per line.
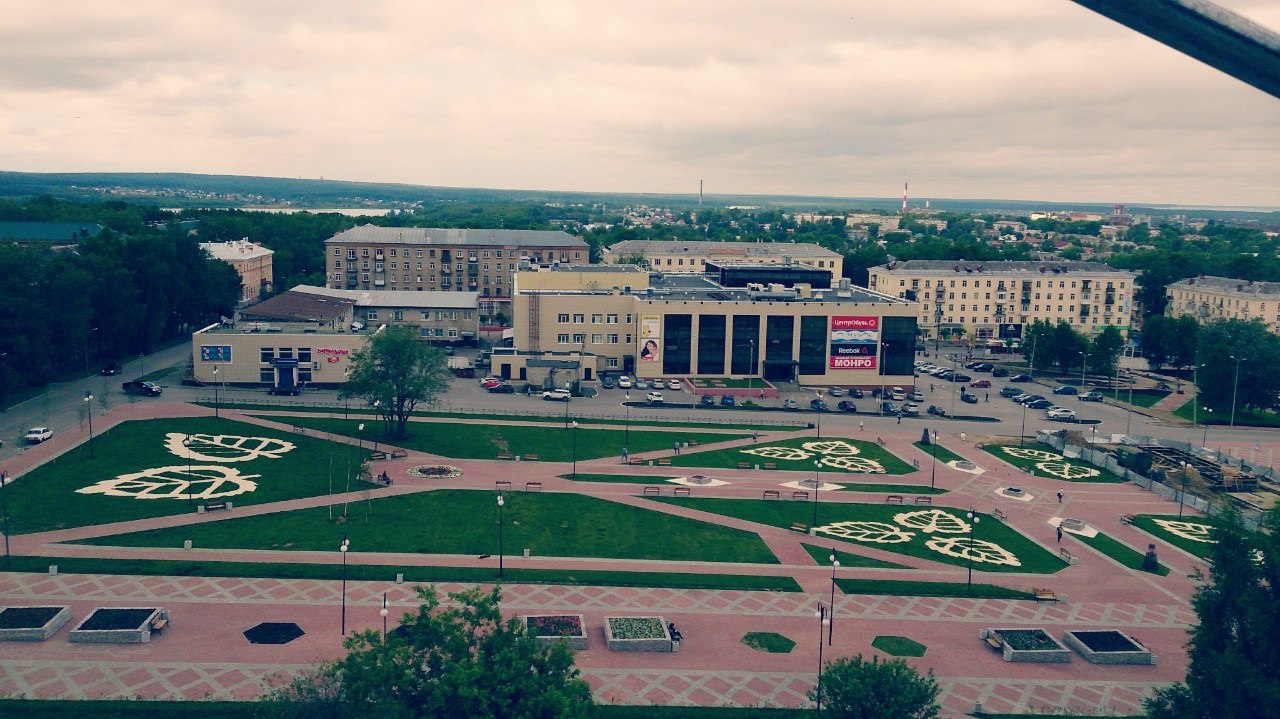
<point x="306" y="335"/>
<point x="674" y="256"/>
<point x="251" y="261"/>
<point x="416" y="259"/>
<point x="626" y="320"/>
<point x="1222" y="298"/>
<point x="996" y="300"/>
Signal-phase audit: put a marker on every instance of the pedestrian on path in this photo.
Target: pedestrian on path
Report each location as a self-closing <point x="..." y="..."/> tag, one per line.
<point x="624" y="455"/>
<point x="677" y="447"/>
<point x="899" y="418"/>
<point x="931" y="387"/>
<point x="988" y="399"/>
<point x="1059" y="497"/>
<point x="1059" y="535"/>
<point x="754" y="436"/>
<point x="859" y="426"/>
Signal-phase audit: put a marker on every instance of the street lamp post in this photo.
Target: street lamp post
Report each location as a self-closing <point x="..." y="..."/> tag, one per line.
<point x="567" y="388"/>
<point x="215" y="391"/>
<point x="817" y="484"/>
<point x="88" y="405"/>
<point x="383" y="613"/>
<point x="1182" y="497"/>
<point x="883" y="346"/>
<point x="955" y="367"/>
<point x="972" y="514"/>
<point x="933" y="471"/>
<point x="187" y="443"/>
<point x="501" y="502"/>
<point x="1084" y="361"/>
<point x="346" y="377"/>
<point x="626" y="433"/>
<point x="377" y="415"/>
<point x="1205" y="442"/>
<point x="575" y="449"/>
<point x="831" y="629"/>
<point x="752" y="371"/>
<point x="818" y="408"/>
<point x="5" y="509"/>
<point x="821" y="614"/>
<point x="343" y="550"/>
<point x="1235" y="389"/>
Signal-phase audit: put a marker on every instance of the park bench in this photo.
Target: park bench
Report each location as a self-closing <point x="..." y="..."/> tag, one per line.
<point x="1126" y="519"/>
<point x="635" y="460"/>
<point x="894" y="499"/>
<point x="800" y="495"/>
<point x="1066" y="555"/>
<point x="504" y="455"/>
<point x="995" y="641"/>
<point x="664" y="462"/>
<point x="744" y="465"/>
<point x="502" y="484"/>
<point x="158" y="625"/>
<point x="379" y="455"/>
<point x="770" y="465"/>
<point x="692" y="443"/>
<point x="399" y="454"/>
<point x="800" y="527"/>
<point x="533" y="486"/>
<point x="1044" y="594"/>
<point x="653" y="490"/>
<point x="999" y="515"/>
<point x="299" y="429"/>
<point x="922" y="499"/>
<point x="531" y="457"/>
<point x="772" y="494"/>
<point x="681" y="491"/>
<point x="211" y="506"/>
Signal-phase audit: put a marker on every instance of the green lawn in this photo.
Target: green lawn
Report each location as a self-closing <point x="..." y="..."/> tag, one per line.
<point x="899" y="588"/>
<point x="944" y="455"/>
<point x="1141" y="397"/>
<point x="460" y="521"/>
<point x="804" y="458"/>
<point x="768" y="642"/>
<point x="1146" y="522"/>
<point x="46" y="498"/>
<point x="1033" y="558"/>
<point x="615" y="478"/>
<point x="726" y="382"/>
<point x="485" y="441"/>
<point x="996" y="451"/>
<point x="899" y="646"/>
<point x="822" y="555"/>
<point x="1244" y="417"/>
<point x="1122" y="553"/>
<point x="412" y="574"/>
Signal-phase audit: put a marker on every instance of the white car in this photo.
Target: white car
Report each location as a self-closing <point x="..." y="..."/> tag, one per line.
<point x="897" y="395"/>
<point x="916" y="396"/>
<point x="642" y="383"/>
<point x="624" y="382"/>
<point x="558" y="395"/>
<point x="655" y="398"/>
<point x="36" y="435"/>
<point x="674" y="385"/>
<point x="1060" y="413"/>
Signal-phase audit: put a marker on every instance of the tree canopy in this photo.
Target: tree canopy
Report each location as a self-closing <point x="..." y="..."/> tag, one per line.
<point x="1220" y="345"/>
<point x="396" y="371"/>
<point x="853" y="688"/>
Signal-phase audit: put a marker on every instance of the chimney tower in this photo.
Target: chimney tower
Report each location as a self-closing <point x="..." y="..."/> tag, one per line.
<point x="904" y="198"/>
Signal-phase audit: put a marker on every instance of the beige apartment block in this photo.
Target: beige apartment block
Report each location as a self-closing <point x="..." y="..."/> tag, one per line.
<point x="1222" y="298"/>
<point x="674" y="256"/>
<point x="996" y="300"/>
<point x="251" y="261"/>
<point x="578" y="308"/>
<point x="417" y="259"/>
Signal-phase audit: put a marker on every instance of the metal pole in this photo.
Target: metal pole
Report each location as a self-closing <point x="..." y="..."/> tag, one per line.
<point x="88" y="403"/>
<point x="567" y="387"/>
<point x="1205" y="442"/>
<point x="752" y="370"/>
<point x="955" y="367"/>
<point x="575" y="449"/>
<point x="817" y="483"/>
<point x="818" y="409"/>
<point x="1183" y="496"/>
<point x="3" y="479"/>
<point x="1235" y="390"/>
<point x="383" y="612"/>
<point x="215" y="391"/>
<point x="343" y="550"/>
<point x="187" y="444"/>
<point x="1195" y="406"/>
<point x="822" y="619"/>
<point x="831" y="626"/>
<point x="626" y="434"/>
<point x="933" y="471"/>
<point x="881" y="370"/>
<point x="377" y="412"/>
<point x="500" y="547"/>
<point x="973" y="524"/>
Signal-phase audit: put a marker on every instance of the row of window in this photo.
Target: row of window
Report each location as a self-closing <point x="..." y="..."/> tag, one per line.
<point x="379" y="266"/>
<point x="1035" y="308"/>
<point x="396" y="279"/>
<point x="352" y="254"/>
<point x="1047" y="295"/>
<point x="1070" y="319"/>
<point x="698" y="261"/>
<point x="597" y="318"/>
<point x="424" y="315"/>
<point x="267" y="354"/>
<point x="1062" y="284"/>
<point x="267" y="375"/>
<point x="579" y="338"/>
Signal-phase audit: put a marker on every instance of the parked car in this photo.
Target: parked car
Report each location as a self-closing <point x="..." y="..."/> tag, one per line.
<point x="1065" y="389"/>
<point x="655" y="398"/>
<point x="818" y="405"/>
<point x="674" y="385"/>
<point x="490" y="380"/>
<point x="557" y="395"/>
<point x="36" y="435"/>
<point x="916" y="396"/>
<point x="836" y="391"/>
<point x="1060" y="413"/>
<point x="982" y="383"/>
<point x="607" y="382"/>
<point x="960" y="378"/>
<point x="984" y="367"/>
<point x="911" y="409"/>
<point x="999" y="372"/>
<point x="707" y="400"/>
<point x="641" y="383"/>
<point x="936" y="411"/>
<point x="1039" y="404"/>
<point x="1020" y="378"/>
<point x="138" y="386"/>
<point x="111" y="370"/>
<point x="503" y="388"/>
<point x="624" y="382"/>
<point x="728" y="400"/>
<point x="888" y="408"/>
<point x="847" y="406"/>
<point x="290" y="391"/>
<point x="1008" y="392"/>
<point x="1028" y="399"/>
<point x="856" y="393"/>
<point x="897" y="394"/>
<point x="1091" y="397"/>
<point x="790" y="404"/>
<point x="973" y="365"/>
<point x="969" y="398"/>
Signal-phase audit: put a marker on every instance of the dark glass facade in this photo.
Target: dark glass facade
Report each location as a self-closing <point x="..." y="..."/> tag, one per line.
<point x="898" y="340"/>
<point x="677" y="340"/>
<point x="746" y="329"/>
<point x="779" y="334"/>
<point x="813" y="345"/>
<point x="711" y="339"/>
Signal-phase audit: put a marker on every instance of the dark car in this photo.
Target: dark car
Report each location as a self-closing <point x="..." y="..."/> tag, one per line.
<point x="728" y="400"/>
<point x="984" y="367"/>
<point x="936" y="410"/>
<point x="1039" y="404"/>
<point x="960" y="378"/>
<point x="502" y="389"/>
<point x="856" y="393"/>
<point x="888" y="408"/>
<point x="1065" y="389"/>
<point x="1091" y="397"/>
<point x="972" y="365"/>
<point x="707" y="400"/>
<point x="293" y="391"/>
<point x="999" y="372"/>
<point x="111" y="370"/>
<point x="847" y="406"/>
<point x="607" y="383"/>
<point x="819" y="405"/>
<point x="1010" y="391"/>
<point x="143" y="388"/>
<point x="973" y="398"/>
<point x="1020" y="378"/>
<point x="1028" y="399"/>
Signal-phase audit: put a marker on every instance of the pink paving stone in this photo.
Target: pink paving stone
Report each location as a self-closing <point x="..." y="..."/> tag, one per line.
<point x="965" y="691"/>
<point x="702" y="697"/>
<point x="1012" y="694"/>
<point x="717" y="685"/>
<point x="759" y="686"/>
<point x="1087" y="695"/>
<point x="87" y="675"/>
<point x="656" y="695"/>
<point x="136" y="677"/>
<point x="200" y="690"/>
<point x="40" y="675"/>
<point x="183" y="677"/>
<point x="676" y="684"/>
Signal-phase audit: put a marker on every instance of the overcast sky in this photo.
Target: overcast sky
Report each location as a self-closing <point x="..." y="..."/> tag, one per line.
<point x="1019" y="99"/>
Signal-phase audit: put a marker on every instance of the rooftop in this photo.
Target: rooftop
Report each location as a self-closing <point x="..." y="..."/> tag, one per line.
<point x="54" y="232"/>
<point x="1026" y="267"/>
<point x="1227" y="284"/>
<point x="397" y="298"/>
<point x="725" y="249"/>
<point x="297" y="306"/>
<point x="702" y="289"/>
<point x="374" y="234"/>
<point x="235" y="250"/>
<point x="595" y="268"/>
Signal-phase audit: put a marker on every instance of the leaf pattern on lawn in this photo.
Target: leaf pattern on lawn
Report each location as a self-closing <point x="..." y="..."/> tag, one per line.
<point x="202" y="482"/>
<point x="1067" y="470"/>
<point x="835" y="446"/>
<point x="932" y="521"/>
<point x="1194" y="531"/>
<point x="225" y="447"/>
<point x="778" y="452"/>
<point x="867" y="531"/>
<point x="1027" y="453"/>
<point x="977" y="549"/>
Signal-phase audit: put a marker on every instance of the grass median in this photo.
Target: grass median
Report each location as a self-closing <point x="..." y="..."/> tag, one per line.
<point x="1118" y="551"/>
<point x="1056" y="467"/>
<point x="798" y="454"/>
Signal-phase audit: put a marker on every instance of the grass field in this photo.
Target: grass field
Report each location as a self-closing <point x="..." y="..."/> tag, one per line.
<point x="1244" y="417"/>
<point x="729" y="458"/>
<point x="899" y="646"/>
<point x="1141" y="397"/>
<point x="485" y="441"/>
<point x="1033" y="558"/>
<point x="995" y="450"/>
<point x="46" y="498"/>
<point x="1122" y="553"/>
<point x="1146" y="522"/>
<point x="944" y="455"/>
<point x="27" y="709"/>
<point x="459" y="521"/>
<point x="898" y="588"/>
<point x="768" y="642"/>
<point x="822" y="555"/>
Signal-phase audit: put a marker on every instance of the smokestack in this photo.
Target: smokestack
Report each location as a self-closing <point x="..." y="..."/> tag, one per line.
<point x="699" y="193"/>
<point x="904" y="198"/>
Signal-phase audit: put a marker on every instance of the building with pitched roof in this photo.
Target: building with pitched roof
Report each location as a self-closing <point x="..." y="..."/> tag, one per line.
<point x="1222" y="298"/>
<point x="251" y="261"/>
<point x="691" y="257"/>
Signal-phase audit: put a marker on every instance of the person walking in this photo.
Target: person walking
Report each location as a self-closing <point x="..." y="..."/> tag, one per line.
<point x="859" y="426"/>
<point x="1059" y="535"/>
<point x="754" y="436"/>
<point x="624" y="455"/>
<point x="899" y="418"/>
<point x="677" y="447"/>
<point x="1059" y="497"/>
<point x="988" y="398"/>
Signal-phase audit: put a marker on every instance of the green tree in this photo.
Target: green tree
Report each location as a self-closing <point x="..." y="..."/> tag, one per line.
<point x="461" y="661"/>
<point x="396" y="371"/>
<point x="1235" y="659"/>
<point x="853" y="688"/>
<point x="1157" y="340"/>
<point x="1068" y="347"/>
<point x="1184" y="341"/>
<point x="1037" y="345"/>
<point x="1224" y="342"/>
<point x="1104" y="350"/>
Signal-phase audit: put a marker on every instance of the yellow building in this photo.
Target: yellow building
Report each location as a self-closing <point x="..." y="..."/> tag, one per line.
<point x="1222" y="298"/>
<point x="996" y="300"/>
<point x="674" y="256"/>
<point x="251" y="261"/>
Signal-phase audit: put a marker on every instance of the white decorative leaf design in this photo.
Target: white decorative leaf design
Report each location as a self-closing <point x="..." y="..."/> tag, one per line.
<point x="202" y="482"/>
<point x="777" y="452"/>
<point x="976" y="549"/>
<point x="225" y="448"/>
<point x="864" y="531"/>
<point x="1067" y="470"/>
<point x="853" y="464"/>
<point x="1195" y="531"/>
<point x="836" y="447"/>
<point x="1027" y="453"/>
<point x="933" y="521"/>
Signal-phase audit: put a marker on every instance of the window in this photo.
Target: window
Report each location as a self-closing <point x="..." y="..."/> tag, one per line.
<point x="579" y="318"/>
<point x="337" y="252"/>
<point x="266" y="354"/>
<point x="597" y="339"/>
<point x="563" y="318"/>
<point x="304" y="374"/>
<point x="364" y="277"/>
<point x="629" y="320"/>
<point x="286" y="353"/>
<point x="612" y="319"/>
<point x="613" y="339"/>
<point x="597" y="318"/>
<point x="611" y="362"/>
<point x="426" y="316"/>
<point x="579" y="338"/>
<point x="453" y="333"/>
<point x="364" y="252"/>
<point x="372" y="314"/>
<point x="562" y="339"/>
<point x="418" y="253"/>
<point x="337" y="264"/>
<point x="267" y="374"/>
<point x="399" y="315"/>
<point x="628" y="338"/>
<point x="497" y="254"/>
<point x="393" y="279"/>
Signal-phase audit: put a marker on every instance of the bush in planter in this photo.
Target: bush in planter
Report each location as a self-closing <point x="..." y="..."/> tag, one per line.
<point x="637" y="628"/>
<point x="853" y="688"/>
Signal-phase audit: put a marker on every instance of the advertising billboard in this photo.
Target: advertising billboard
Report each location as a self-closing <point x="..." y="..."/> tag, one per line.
<point x="650" y="338"/>
<point x="215" y="353"/>
<point x="1010" y="331"/>
<point x="855" y="342"/>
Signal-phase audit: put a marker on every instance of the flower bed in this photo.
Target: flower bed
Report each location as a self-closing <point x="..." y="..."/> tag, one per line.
<point x="31" y="624"/>
<point x="637" y="634"/>
<point x="434" y="471"/>
<point x="1029" y="645"/>
<point x="116" y="625"/>
<point x="551" y="628"/>
<point x="1108" y="647"/>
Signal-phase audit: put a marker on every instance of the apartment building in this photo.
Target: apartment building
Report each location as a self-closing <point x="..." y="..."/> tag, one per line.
<point x="995" y="300"/>
<point x="251" y="261"/>
<point x="416" y="259"/>
<point x="1222" y="298"/>
<point x="674" y="256"/>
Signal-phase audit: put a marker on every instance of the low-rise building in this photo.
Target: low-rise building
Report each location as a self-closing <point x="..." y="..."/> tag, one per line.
<point x="691" y="257"/>
<point x="251" y="261"/>
<point x="54" y="235"/>
<point x="1222" y="298"/>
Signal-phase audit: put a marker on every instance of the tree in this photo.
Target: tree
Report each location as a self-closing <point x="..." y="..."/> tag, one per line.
<point x="853" y="688"/>
<point x="463" y="661"/>
<point x="1259" y="367"/>
<point x="1235" y="658"/>
<point x="1067" y="347"/>
<point x="396" y="371"/>
<point x="1037" y="345"/>
<point x="1104" y="350"/>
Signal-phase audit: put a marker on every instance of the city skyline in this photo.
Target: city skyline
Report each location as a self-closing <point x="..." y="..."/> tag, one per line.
<point x="1028" y="101"/>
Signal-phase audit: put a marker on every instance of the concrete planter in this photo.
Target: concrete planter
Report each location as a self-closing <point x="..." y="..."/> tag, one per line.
<point x="653" y="643"/>
<point x="576" y="642"/>
<point x="1109" y="647"/>
<point x="1055" y="654"/>
<point x="60" y="616"/>
<point x="140" y="634"/>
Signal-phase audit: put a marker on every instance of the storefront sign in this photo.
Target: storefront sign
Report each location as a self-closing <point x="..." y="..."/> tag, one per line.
<point x="854" y="342"/>
<point x="650" y="338"/>
<point x="215" y="353"/>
